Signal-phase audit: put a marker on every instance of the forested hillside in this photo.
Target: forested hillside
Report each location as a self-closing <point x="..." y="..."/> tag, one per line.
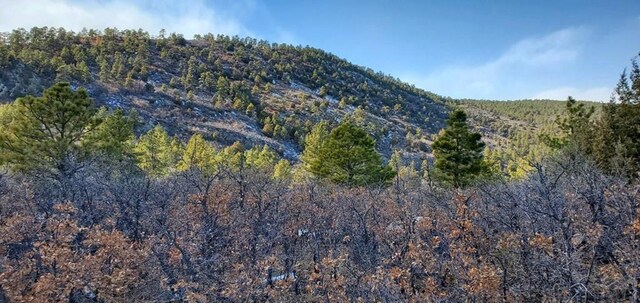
<point x="159" y="169"/>
<point x="513" y="129"/>
<point x="506" y="118"/>
<point x="226" y="88"/>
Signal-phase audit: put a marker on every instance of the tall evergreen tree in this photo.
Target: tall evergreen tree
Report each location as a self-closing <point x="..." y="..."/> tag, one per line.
<point x="199" y="154"/>
<point x="617" y="144"/>
<point x="47" y="134"/>
<point x="313" y="142"/>
<point x="348" y="157"/>
<point x="114" y="136"/>
<point x="260" y="157"/>
<point x="458" y="152"/>
<point x="223" y="88"/>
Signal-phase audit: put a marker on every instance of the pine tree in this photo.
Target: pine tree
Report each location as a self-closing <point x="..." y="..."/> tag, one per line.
<point x="223" y="87"/>
<point x="83" y="72"/>
<point x="313" y="143"/>
<point x="260" y="157"/>
<point x="128" y="81"/>
<point x="207" y="81"/>
<point x="458" y="152"/>
<point x="233" y="157"/>
<point x="576" y="128"/>
<point x="617" y="139"/>
<point x="189" y="77"/>
<point x="104" y="70"/>
<point x="238" y="103"/>
<point x="282" y="170"/>
<point x="114" y="136"/>
<point x="64" y="73"/>
<point x="347" y="156"/>
<point x="250" y="110"/>
<point x="117" y="69"/>
<point x="46" y="134"/>
<point x="157" y="153"/>
<point x="199" y="154"/>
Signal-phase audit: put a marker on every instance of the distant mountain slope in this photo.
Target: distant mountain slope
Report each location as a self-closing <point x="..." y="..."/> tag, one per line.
<point x="224" y="87"/>
<point x="505" y="118"/>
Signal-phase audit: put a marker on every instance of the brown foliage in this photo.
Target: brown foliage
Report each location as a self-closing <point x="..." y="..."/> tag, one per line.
<point x="565" y="234"/>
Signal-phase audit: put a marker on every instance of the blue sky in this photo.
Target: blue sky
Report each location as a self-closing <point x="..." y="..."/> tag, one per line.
<point x="497" y="49"/>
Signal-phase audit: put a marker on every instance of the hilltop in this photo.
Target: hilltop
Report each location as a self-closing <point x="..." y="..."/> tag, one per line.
<point x="227" y="88"/>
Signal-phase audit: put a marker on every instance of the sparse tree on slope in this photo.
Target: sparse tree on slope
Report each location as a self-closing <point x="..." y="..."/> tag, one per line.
<point x="313" y="143"/>
<point x="199" y="154"/>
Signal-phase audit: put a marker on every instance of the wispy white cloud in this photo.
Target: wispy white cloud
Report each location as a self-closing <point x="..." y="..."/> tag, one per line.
<point x="535" y="55"/>
<point x="193" y="17"/>
<point x="285" y="36"/>
<point x="600" y="94"/>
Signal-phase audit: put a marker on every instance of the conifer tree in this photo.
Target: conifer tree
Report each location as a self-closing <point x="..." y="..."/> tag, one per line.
<point x="199" y="154"/>
<point x="157" y="153"/>
<point x="458" y="152"/>
<point x="313" y="142"/>
<point x="117" y="69"/>
<point x="250" y="110"/>
<point x="347" y="156"/>
<point x="576" y="128"/>
<point x="260" y="157"/>
<point x="46" y="134"/>
<point x="114" y="136"/>
<point x="64" y="73"/>
<point x="282" y="170"/>
<point x="223" y="88"/>
<point x="617" y="144"/>
<point x="83" y="72"/>
<point x="105" y="70"/>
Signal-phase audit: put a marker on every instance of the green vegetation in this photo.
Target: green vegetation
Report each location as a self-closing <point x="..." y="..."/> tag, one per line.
<point x="243" y="75"/>
<point x="157" y="153"/>
<point x="55" y="133"/>
<point x="458" y="152"/>
<point x="617" y="136"/>
<point x="347" y="156"/>
<point x="199" y="154"/>
<point x="518" y="132"/>
<point x="575" y="128"/>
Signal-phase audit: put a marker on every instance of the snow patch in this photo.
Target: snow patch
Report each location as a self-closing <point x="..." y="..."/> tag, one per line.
<point x="331" y="99"/>
<point x="290" y="275"/>
<point x="290" y="152"/>
<point x="114" y="101"/>
<point x="305" y="232"/>
<point x="301" y="87"/>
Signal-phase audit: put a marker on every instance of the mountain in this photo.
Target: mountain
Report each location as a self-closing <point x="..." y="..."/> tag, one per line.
<point x="241" y="89"/>
<point x="227" y="88"/>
